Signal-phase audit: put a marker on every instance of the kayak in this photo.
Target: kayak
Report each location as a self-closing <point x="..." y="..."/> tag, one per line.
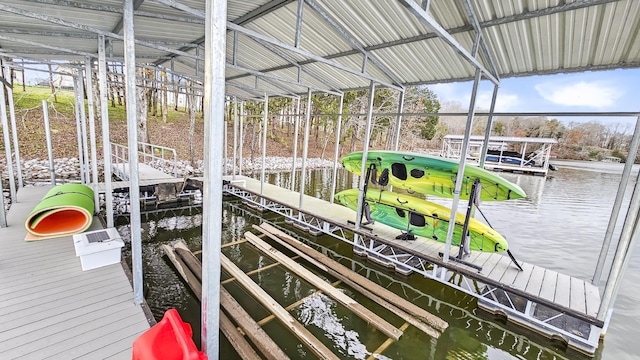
<point x="431" y="175"/>
<point x="423" y="218"/>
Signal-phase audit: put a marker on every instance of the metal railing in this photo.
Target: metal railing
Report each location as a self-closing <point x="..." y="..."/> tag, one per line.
<point x="159" y="157"/>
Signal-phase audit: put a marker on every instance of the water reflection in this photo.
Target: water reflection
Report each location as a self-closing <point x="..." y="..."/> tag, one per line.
<point x="560" y="225"/>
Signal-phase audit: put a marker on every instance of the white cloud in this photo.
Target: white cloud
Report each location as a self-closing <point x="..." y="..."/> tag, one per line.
<point x="595" y="94"/>
<point x="461" y="96"/>
<point x="504" y="103"/>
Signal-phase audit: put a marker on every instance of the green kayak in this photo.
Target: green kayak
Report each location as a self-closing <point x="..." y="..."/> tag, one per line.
<point x="423" y="218"/>
<point x="432" y="175"/>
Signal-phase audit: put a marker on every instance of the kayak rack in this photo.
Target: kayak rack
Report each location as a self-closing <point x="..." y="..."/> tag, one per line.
<point x="553" y="304"/>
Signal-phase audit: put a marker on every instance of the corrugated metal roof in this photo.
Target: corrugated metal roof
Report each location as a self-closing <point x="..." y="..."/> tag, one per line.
<point x="395" y="44"/>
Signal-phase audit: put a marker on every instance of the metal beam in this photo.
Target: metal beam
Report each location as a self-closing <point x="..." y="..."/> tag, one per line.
<point x="432" y="24"/>
<point x="290" y="60"/>
<point x="104" y="117"/>
<point x="214" y="99"/>
<point x="261" y="11"/>
<point x="274" y="77"/>
<point x="23" y="31"/>
<point x="132" y="142"/>
<point x="117" y="10"/>
<point x="45" y="46"/>
<point x="459" y="178"/>
<point x="118" y="27"/>
<point x="617" y="204"/>
<point x="309" y="55"/>
<point x="7" y="145"/>
<point x="176" y="5"/>
<point x="365" y="153"/>
<point x="351" y="39"/>
<point x="296" y="41"/>
<point x="86" y="28"/>
<point x="487" y="130"/>
<point x="483" y="45"/>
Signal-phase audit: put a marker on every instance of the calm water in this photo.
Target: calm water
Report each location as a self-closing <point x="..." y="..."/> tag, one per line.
<point x="560" y="225"/>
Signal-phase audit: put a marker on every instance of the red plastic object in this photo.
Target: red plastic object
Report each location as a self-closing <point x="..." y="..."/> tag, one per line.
<point x="169" y="339"/>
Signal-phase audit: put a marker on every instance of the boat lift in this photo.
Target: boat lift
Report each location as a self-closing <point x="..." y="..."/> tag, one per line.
<point x="536" y="164"/>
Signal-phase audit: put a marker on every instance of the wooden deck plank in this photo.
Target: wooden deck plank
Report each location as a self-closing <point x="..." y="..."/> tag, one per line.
<point x="492" y="260"/>
<point x="577" y="300"/>
<point x="56" y="312"/>
<point x="60" y="294"/>
<point x="535" y="281"/>
<point x="563" y="290"/>
<point x="500" y="268"/>
<point x="518" y="279"/>
<point x="46" y="300"/>
<point x="75" y="327"/>
<point x="123" y="328"/>
<point x="53" y="288"/>
<point x="548" y="290"/>
<point x="592" y="295"/>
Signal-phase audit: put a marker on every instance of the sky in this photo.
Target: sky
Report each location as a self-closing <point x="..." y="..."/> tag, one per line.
<point x="595" y="91"/>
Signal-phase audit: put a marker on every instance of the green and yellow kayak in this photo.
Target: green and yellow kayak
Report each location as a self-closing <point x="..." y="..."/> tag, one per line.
<point x="432" y="175"/>
<point x="423" y="218"/>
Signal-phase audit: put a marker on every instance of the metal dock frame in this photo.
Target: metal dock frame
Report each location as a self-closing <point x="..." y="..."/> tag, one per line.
<point x="579" y="330"/>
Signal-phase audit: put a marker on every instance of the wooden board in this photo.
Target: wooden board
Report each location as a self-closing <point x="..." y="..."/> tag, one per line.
<point x="361" y="311"/>
<point x="577" y="300"/>
<point x="50" y="307"/>
<point x="317" y="347"/>
<point x="563" y="290"/>
<point x="535" y="281"/>
<point x="548" y="291"/>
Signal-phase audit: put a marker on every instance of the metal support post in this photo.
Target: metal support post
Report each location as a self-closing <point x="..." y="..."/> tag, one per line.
<point x="463" y="160"/>
<point x="47" y="133"/>
<point x="92" y="129"/>
<point x="225" y="145"/>
<point x="365" y="154"/>
<point x="132" y="142"/>
<point x="487" y="130"/>
<point x="214" y="80"/>
<point x="396" y="136"/>
<point x="617" y="204"/>
<point x="14" y="133"/>
<point x="296" y="127"/>
<point x="305" y="146"/>
<point x="3" y="211"/>
<point x="104" y="117"/>
<point x="628" y="238"/>
<point x="334" y="178"/>
<point x="265" y="115"/>
<point x="78" y="128"/>
<point x="83" y="126"/>
<point x="235" y="135"/>
<point x="241" y="137"/>
<point x="7" y="145"/>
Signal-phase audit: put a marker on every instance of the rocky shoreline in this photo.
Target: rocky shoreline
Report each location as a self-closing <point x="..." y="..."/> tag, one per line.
<point x="36" y="171"/>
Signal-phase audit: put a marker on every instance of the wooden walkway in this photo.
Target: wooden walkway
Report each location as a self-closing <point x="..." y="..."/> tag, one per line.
<point x="145" y="172"/>
<point x="50" y="308"/>
<point x="542" y="286"/>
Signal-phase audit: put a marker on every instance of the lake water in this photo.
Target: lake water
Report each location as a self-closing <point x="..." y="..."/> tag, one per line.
<point x="560" y="225"/>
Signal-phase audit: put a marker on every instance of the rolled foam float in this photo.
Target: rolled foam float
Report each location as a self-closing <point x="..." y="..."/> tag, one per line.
<point x="65" y="210"/>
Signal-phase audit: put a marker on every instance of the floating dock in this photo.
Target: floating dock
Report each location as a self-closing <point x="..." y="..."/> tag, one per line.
<point x="554" y="304"/>
<point x="50" y="308"/>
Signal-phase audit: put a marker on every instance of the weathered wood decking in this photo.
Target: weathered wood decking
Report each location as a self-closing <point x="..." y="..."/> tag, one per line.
<point x="50" y="308"/>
